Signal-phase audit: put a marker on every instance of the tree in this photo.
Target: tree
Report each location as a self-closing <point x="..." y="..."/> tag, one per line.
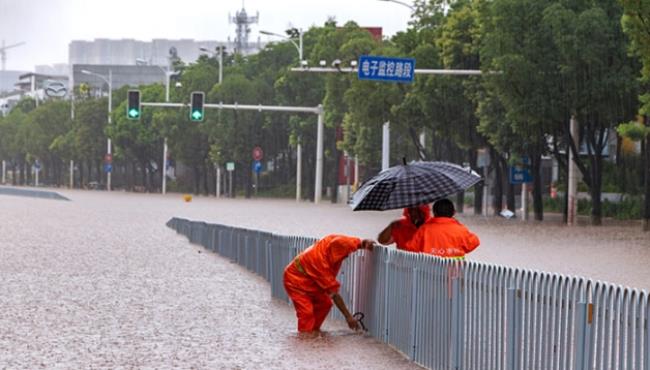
<point x="636" y="24"/>
<point x="598" y="79"/>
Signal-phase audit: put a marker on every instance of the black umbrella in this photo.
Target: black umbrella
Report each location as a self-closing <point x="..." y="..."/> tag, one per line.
<point x="413" y="184"/>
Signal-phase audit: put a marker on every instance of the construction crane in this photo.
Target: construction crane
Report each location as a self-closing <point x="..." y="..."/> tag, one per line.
<point x="3" y="52"/>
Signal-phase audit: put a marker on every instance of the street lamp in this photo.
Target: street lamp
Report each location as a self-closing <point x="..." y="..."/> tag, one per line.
<point x="167" y="71"/>
<point x="400" y="3"/>
<point x="220" y="50"/>
<point x="108" y="81"/>
<point x="298" y="46"/>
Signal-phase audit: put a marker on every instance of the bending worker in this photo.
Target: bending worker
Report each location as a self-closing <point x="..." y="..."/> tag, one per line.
<point x="310" y="280"/>
<point x="443" y="235"/>
<point x="401" y="231"/>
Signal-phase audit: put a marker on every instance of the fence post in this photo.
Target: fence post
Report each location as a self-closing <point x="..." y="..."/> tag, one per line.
<point x="583" y="331"/>
<point x="511" y="327"/>
<point x="386" y="291"/>
<point x="456" y="317"/>
<point x="414" y="312"/>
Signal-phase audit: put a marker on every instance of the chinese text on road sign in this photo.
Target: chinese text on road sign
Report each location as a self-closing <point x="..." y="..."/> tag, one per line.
<point x="386" y="69"/>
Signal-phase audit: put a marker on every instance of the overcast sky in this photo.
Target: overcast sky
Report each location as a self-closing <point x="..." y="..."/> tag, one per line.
<point x="47" y="26"/>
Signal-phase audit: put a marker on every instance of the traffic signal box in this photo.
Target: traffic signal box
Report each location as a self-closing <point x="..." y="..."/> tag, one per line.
<point x="196" y="113"/>
<point x="133" y="109"/>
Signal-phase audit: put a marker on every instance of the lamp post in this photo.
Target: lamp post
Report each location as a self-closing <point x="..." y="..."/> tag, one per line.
<point x="298" y="46"/>
<point x="217" y="166"/>
<point x="219" y="53"/>
<point x="108" y="81"/>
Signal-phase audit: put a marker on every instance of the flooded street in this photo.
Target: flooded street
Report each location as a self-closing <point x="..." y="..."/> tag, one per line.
<point x="101" y="282"/>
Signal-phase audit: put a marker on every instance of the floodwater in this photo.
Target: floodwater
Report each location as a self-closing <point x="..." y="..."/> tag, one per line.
<point x="100" y="282"/>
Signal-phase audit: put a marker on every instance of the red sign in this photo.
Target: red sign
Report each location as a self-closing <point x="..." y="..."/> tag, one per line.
<point x="108" y="158"/>
<point x="258" y="154"/>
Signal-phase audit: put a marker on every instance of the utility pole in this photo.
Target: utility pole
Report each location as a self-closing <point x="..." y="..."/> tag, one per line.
<point x="572" y="191"/>
<point x="298" y="171"/>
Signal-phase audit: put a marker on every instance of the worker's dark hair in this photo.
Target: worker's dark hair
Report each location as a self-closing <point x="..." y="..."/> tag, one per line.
<point x="443" y="208"/>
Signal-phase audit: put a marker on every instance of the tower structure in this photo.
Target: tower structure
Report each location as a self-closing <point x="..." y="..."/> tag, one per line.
<point x="243" y="21"/>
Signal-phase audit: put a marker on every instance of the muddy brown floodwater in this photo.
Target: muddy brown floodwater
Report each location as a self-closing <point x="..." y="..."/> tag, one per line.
<point x="100" y="282"/>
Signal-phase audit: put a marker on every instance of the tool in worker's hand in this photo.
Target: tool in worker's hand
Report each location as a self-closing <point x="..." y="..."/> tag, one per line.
<point x="359" y="316"/>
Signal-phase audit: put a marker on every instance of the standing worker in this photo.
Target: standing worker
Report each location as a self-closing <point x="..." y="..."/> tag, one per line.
<point x="310" y="280"/>
<point x="443" y="235"/>
<point x="401" y="231"/>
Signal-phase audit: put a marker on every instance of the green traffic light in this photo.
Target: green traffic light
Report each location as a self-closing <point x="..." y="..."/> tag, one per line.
<point x="134" y="113"/>
<point x="197" y="115"/>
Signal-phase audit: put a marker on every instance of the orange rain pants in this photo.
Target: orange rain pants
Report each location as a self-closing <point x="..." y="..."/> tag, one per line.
<point x="311" y="308"/>
<point x="310" y="279"/>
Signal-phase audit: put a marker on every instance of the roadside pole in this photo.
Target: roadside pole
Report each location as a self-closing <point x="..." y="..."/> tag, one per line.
<point x="385" y="146"/>
<point x="71" y="174"/>
<point x="572" y="191"/>
<point x="524" y="201"/>
<point x="218" y="181"/>
<point x="298" y="171"/>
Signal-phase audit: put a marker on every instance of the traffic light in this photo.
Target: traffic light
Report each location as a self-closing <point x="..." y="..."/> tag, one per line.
<point x="196" y="113"/>
<point x="133" y="106"/>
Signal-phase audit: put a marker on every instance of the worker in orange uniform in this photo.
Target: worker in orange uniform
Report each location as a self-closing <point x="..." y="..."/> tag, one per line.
<point x="310" y="280"/>
<point x="401" y="231"/>
<point x="443" y="235"/>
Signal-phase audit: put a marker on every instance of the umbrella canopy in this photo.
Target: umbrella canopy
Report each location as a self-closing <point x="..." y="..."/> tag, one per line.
<point x="411" y="185"/>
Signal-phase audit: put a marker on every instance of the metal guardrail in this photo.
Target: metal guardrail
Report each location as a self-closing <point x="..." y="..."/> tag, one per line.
<point x="446" y="314"/>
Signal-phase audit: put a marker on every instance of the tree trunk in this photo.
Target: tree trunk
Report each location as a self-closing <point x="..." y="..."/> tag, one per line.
<point x="478" y="188"/>
<point x="596" y="190"/>
<point x="134" y="176"/>
<point x="196" y="179"/>
<point x="21" y="166"/>
<point x="249" y="179"/>
<point x="460" y="202"/>
<point x="205" y="180"/>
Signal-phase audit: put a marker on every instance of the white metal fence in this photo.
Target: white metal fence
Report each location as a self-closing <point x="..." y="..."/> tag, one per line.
<point x="447" y="314"/>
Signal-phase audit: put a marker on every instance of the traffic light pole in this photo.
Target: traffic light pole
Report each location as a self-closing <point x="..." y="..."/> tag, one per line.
<point x="318" y="186"/>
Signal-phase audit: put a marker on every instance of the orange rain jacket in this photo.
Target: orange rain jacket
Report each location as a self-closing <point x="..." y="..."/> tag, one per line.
<point x="402" y="232"/>
<point x="444" y="237"/>
<point x="310" y="278"/>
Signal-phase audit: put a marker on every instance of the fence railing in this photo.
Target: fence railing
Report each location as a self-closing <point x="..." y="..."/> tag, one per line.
<point x="447" y="314"/>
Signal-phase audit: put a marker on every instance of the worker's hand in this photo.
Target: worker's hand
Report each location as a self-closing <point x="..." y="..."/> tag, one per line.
<point x="367" y="244"/>
<point x="353" y="323"/>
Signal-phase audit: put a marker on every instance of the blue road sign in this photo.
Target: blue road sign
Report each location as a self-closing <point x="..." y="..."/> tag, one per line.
<point x="520" y="173"/>
<point x="108" y="167"/>
<point x="257" y="166"/>
<point x="378" y="68"/>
